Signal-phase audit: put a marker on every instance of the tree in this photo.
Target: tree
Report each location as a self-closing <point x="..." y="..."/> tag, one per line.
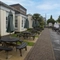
<point x="58" y="20"/>
<point x="51" y="20"/>
<point x="39" y="18"/>
<point x="36" y="16"/>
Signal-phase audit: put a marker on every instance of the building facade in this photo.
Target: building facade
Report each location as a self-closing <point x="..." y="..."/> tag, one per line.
<point x="19" y="17"/>
<point x="30" y="20"/>
<point x="4" y="11"/>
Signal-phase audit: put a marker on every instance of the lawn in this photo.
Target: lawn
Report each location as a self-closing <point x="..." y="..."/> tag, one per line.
<point x="30" y="43"/>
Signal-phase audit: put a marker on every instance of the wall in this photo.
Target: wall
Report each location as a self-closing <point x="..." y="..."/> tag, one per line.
<point x="30" y="21"/>
<point x="22" y="17"/>
<point x="17" y="29"/>
<point x="20" y="28"/>
<point x="3" y="20"/>
<point x="0" y="20"/>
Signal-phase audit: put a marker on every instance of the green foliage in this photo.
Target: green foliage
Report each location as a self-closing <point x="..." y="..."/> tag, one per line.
<point x="36" y="16"/>
<point x="29" y="43"/>
<point x="14" y="35"/>
<point x="51" y="20"/>
<point x="40" y="19"/>
<point x="29" y="29"/>
<point x="58" y="20"/>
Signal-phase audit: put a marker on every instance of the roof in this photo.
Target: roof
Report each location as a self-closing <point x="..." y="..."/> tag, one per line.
<point x="7" y="6"/>
<point x="18" y="5"/>
<point x="12" y="8"/>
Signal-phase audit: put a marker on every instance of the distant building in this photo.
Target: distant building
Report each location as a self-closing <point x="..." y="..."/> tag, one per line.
<point x="50" y="24"/>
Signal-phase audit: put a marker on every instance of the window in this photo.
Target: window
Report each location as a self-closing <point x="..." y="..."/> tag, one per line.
<point x="7" y="19"/>
<point x="16" y="21"/>
<point x="22" y="23"/>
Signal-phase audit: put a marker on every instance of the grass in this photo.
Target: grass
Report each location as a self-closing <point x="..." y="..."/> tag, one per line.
<point x="30" y="43"/>
<point x="36" y="36"/>
<point x="14" y="35"/>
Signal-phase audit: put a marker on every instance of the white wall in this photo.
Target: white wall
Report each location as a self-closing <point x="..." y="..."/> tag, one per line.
<point x="18" y="23"/>
<point x="30" y="21"/>
<point x="3" y="20"/>
<point x="22" y="17"/>
<point x="20" y="28"/>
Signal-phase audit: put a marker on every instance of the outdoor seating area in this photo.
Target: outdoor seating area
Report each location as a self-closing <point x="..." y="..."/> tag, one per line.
<point x="29" y="33"/>
<point x="6" y="49"/>
<point x="7" y="44"/>
<point x="17" y="37"/>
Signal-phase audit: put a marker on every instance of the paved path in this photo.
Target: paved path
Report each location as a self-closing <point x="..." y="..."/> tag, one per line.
<point x="55" y="38"/>
<point x="43" y="49"/>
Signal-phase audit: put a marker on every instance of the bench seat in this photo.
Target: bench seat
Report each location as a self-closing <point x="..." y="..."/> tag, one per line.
<point x="6" y="49"/>
<point x="22" y="46"/>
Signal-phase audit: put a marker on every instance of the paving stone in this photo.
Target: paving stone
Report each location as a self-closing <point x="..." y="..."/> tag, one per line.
<point x="42" y="49"/>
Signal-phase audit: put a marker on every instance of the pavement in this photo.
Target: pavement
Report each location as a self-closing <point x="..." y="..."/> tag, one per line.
<point x="43" y="48"/>
<point x="55" y="39"/>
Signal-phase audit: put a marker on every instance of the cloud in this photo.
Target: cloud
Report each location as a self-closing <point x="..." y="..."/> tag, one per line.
<point x="23" y="2"/>
<point x="50" y="7"/>
<point x="9" y="1"/>
<point x="47" y="6"/>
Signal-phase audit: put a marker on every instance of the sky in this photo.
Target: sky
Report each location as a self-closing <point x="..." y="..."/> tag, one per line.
<point x="43" y="7"/>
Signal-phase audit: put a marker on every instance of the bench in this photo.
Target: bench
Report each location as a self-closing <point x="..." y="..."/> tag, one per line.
<point x="6" y="49"/>
<point x="32" y="35"/>
<point x="29" y="34"/>
<point x="22" y="46"/>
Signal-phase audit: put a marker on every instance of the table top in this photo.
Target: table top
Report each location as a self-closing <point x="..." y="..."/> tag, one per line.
<point x="9" y="39"/>
<point x="26" y="32"/>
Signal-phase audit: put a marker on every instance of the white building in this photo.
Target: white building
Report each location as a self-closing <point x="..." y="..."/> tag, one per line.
<point x="20" y="17"/>
<point x="4" y="11"/>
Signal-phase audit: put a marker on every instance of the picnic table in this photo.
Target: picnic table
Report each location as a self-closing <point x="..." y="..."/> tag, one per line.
<point x="11" y="40"/>
<point x="26" y="34"/>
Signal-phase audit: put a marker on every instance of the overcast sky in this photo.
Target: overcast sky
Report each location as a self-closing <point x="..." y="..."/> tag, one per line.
<point x="48" y="7"/>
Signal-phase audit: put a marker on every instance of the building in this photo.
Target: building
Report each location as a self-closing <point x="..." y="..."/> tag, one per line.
<point x="19" y="17"/>
<point x="30" y="20"/>
<point x="4" y="11"/>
